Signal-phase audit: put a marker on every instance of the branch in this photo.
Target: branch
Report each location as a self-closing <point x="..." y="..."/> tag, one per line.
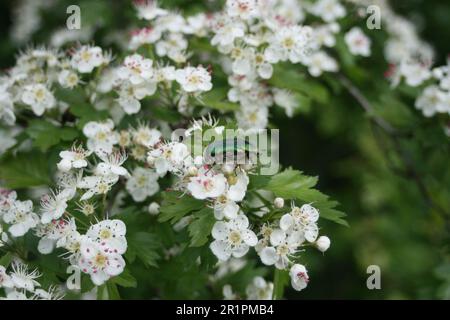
<point x="393" y="134"/>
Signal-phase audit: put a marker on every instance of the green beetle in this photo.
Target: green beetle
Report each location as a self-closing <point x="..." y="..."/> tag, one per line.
<point x="235" y="150"/>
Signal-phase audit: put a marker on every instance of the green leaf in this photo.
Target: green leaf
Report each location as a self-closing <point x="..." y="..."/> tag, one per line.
<point x="125" y="279"/>
<point x="200" y="228"/>
<point x="217" y="99"/>
<point x="25" y="170"/>
<point x="87" y="113"/>
<point x="144" y="246"/>
<point x="6" y="259"/>
<point x="175" y="206"/>
<point x="293" y="184"/>
<point x="46" y="134"/>
<point x="288" y="78"/>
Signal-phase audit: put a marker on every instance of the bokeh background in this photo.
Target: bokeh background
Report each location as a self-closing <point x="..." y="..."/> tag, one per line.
<point x="392" y="224"/>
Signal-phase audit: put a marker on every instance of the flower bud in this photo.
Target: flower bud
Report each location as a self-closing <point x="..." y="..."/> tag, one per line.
<point x="153" y="208"/>
<point x="278" y="203"/>
<point x="323" y="243"/>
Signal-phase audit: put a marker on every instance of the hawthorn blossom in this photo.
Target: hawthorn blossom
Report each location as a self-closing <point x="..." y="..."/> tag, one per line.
<point x="433" y="100"/>
<point x="194" y="79"/>
<point x="147" y="35"/>
<point x="96" y="185"/>
<point x="415" y="73"/>
<point x="74" y="158"/>
<point x="328" y="10"/>
<point x="53" y="206"/>
<point x="289" y="43"/>
<point x="86" y="58"/>
<point x="6" y="106"/>
<point x="303" y="220"/>
<point x="143" y="183"/>
<point x="111" y="165"/>
<point x="318" y="62"/>
<point x="130" y="95"/>
<point x="286" y="100"/>
<point x="5" y="279"/>
<point x="101" y="137"/>
<point x="100" y="265"/>
<point x="283" y="245"/>
<point x="358" y="43"/>
<point x="207" y="184"/>
<point x="323" y="243"/>
<point x="232" y="238"/>
<point x="20" y="218"/>
<point x="39" y="98"/>
<point x="22" y="278"/>
<point x="226" y="30"/>
<point x="299" y="277"/>
<point x="259" y="289"/>
<point x="148" y="9"/>
<point x="110" y="235"/>
<point x="68" y="79"/>
<point x="136" y="69"/>
<point x="244" y="9"/>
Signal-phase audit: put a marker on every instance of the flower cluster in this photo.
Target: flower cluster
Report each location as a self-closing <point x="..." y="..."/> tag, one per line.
<point x="20" y="284"/>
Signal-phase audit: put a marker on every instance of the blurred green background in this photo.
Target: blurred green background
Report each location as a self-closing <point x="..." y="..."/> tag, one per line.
<point x="391" y="224"/>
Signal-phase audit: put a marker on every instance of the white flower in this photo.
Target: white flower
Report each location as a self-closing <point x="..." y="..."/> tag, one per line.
<point x="111" y="165"/>
<point x="172" y="45"/>
<point x="433" y="100"/>
<point x="110" y="235"/>
<point x="153" y="208"/>
<point x="75" y="158"/>
<point x="38" y="97"/>
<point x="328" y="10"/>
<point x="289" y="43"/>
<point x="415" y="73"/>
<point x="68" y="79"/>
<point x="6" y="106"/>
<point x="86" y="58"/>
<point x="143" y="183"/>
<point x="224" y="207"/>
<point x="172" y="157"/>
<point x="358" y="43"/>
<point x="143" y="36"/>
<point x="21" y="218"/>
<point x="194" y="79"/>
<point x="5" y="280"/>
<point x="259" y="289"/>
<point x="232" y="238"/>
<point x="244" y="9"/>
<point x="283" y="246"/>
<point x="237" y="186"/>
<point x="53" y="206"/>
<point x="302" y="219"/>
<point x="299" y="277"/>
<point x="207" y="185"/>
<point x="56" y="233"/>
<point x="101" y="137"/>
<point x="226" y="31"/>
<point x="319" y="62"/>
<point x="228" y="293"/>
<point x="96" y="185"/>
<point x="136" y="69"/>
<point x="7" y="200"/>
<point x="286" y="100"/>
<point x="22" y="278"/>
<point x="146" y="136"/>
<point x="101" y="266"/>
<point x="129" y="95"/>
<point x="148" y="9"/>
<point x="323" y="243"/>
